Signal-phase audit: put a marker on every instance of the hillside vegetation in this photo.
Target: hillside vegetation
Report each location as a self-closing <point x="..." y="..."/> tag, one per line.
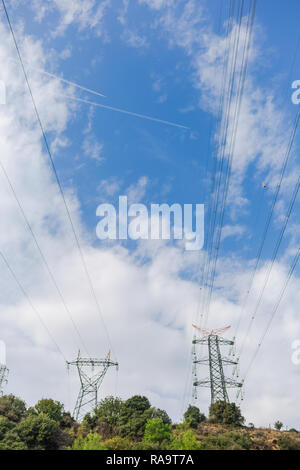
<point x="133" y="425"/>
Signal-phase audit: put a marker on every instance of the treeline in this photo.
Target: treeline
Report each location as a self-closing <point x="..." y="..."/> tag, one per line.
<point x="116" y="424"/>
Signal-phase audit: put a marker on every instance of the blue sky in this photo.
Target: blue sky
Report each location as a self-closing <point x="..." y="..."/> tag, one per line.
<point x="162" y="59"/>
<point x="152" y="77"/>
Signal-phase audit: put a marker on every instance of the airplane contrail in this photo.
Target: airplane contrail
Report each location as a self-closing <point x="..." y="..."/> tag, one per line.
<point x="119" y="110"/>
<point x="44" y="72"/>
<point x="111" y="108"/>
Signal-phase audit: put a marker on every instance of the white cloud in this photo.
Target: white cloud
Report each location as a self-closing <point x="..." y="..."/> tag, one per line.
<point x="92" y="148"/>
<point x="123" y="11"/>
<point x="109" y="187"/>
<point x="85" y="13"/>
<point x="133" y="39"/>
<point x="136" y="192"/>
<point x="233" y="231"/>
<point x="157" y="4"/>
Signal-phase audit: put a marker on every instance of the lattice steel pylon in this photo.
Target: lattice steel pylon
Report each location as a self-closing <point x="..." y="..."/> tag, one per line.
<point x="90" y="383"/>
<point x="217" y="382"/>
<point x="3" y="377"/>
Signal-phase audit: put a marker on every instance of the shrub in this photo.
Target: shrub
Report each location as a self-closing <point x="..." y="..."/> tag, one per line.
<point x="193" y="417"/>
<point x="12" y="441"/>
<point x="91" y="441"/>
<point x="278" y="425"/>
<point x="118" y="443"/>
<point x="227" y="441"/>
<point x="226" y="413"/>
<point x="157" y="431"/>
<point x="186" y="441"/>
<point x="288" y="443"/>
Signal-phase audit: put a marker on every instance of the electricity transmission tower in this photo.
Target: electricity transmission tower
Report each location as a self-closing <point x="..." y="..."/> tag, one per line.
<point x="91" y="374"/>
<point x="3" y="377"/>
<point x="217" y="382"/>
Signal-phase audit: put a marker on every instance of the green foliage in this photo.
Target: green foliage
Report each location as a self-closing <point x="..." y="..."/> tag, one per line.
<point x="91" y="441"/>
<point x="118" y="443"/>
<point x="158" y="413"/>
<point x="226" y="441"/>
<point x="108" y="410"/>
<point x="12" y="441"/>
<point x="193" y="417"/>
<point x="5" y="426"/>
<point x="12" y="408"/>
<point x="288" y="443"/>
<point x="278" y="425"/>
<point x="132" y="425"/>
<point x="133" y="417"/>
<point x="142" y="445"/>
<point x="53" y="409"/>
<point x="157" y="431"/>
<point x="137" y="403"/>
<point x="67" y="422"/>
<point x="39" y="432"/>
<point x="186" y="440"/>
<point x="88" y="423"/>
<point x="225" y="413"/>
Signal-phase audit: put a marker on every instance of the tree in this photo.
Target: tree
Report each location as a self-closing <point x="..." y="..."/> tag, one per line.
<point x="12" y="408"/>
<point x="53" y="409"/>
<point x="133" y="417"/>
<point x="193" y="417"/>
<point x="108" y="410"/>
<point x="39" y="432"/>
<point x="91" y="441"/>
<point x="157" y="431"/>
<point x="67" y="421"/>
<point x="12" y="441"/>
<point x="158" y="413"/>
<point x="278" y="425"/>
<point x="226" y="413"/>
<point x="137" y="403"/>
<point x="5" y="426"/>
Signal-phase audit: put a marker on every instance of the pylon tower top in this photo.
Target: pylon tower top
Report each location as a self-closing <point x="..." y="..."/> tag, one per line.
<point x="91" y="373"/>
<point x="217" y="382"/>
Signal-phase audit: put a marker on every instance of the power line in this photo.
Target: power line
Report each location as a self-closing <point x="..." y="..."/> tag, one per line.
<point x="215" y="160"/>
<point x="239" y="96"/>
<point x="274" y="311"/>
<point x="68" y="82"/>
<point x="269" y="218"/>
<point x="93" y="293"/>
<point x="52" y="277"/>
<point x="275" y="252"/>
<point x="31" y="304"/>
<point x="212" y="205"/>
<point x="222" y="143"/>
